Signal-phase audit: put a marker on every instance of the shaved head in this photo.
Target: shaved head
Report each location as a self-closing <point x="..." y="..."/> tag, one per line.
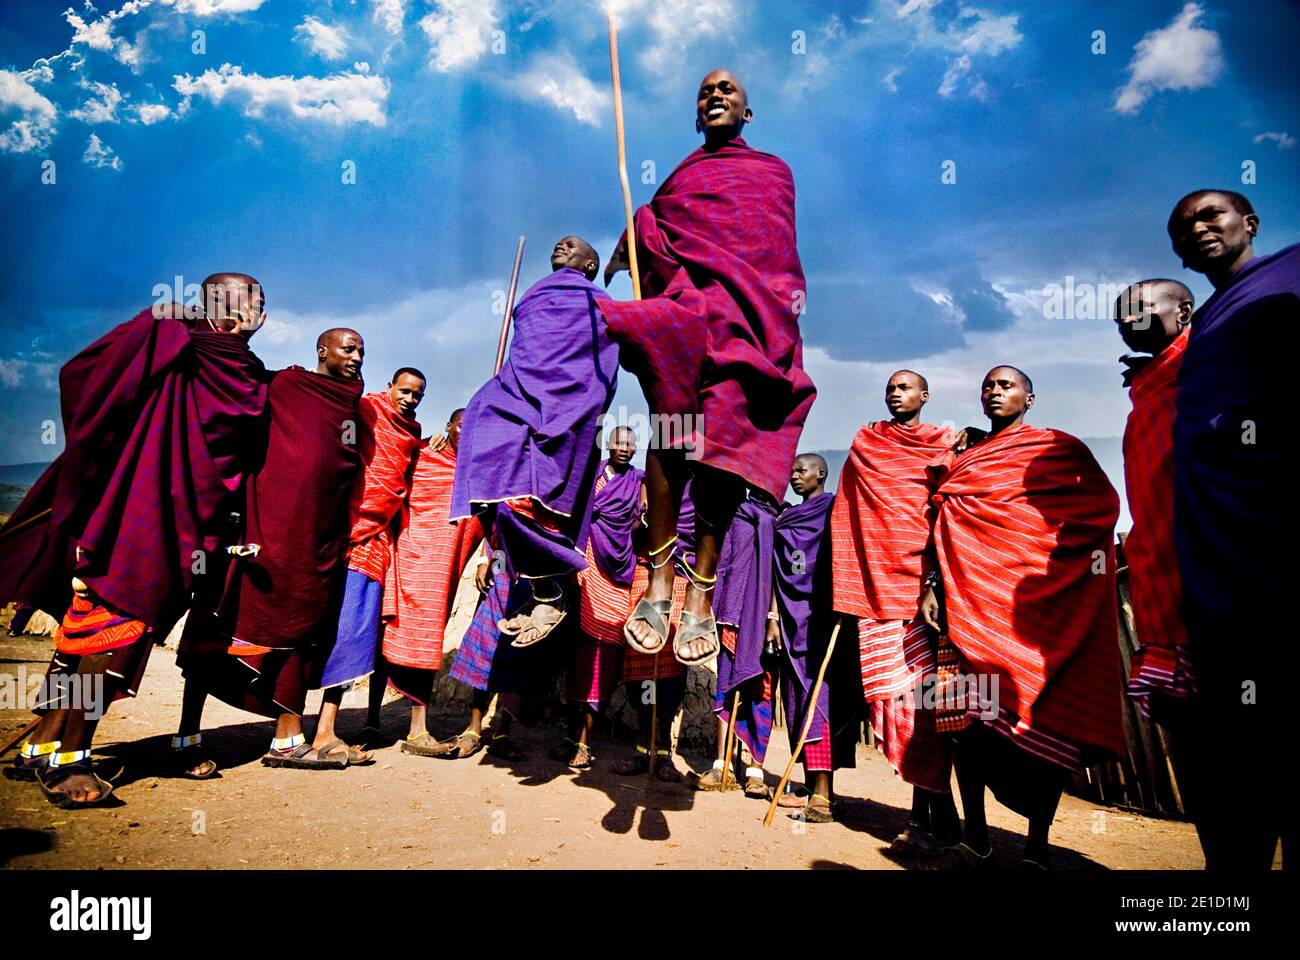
<point x="906" y="392"/>
<point x="1152" y="313"/>
<point x="575" y="252"/>
<point x="921" y="382"/>
<point x="721" y="107"/>
<point x="233" y="301"/>
<point x="339" y="353"/>
<point x="333" y="333"/>
<point x="808" y="474"/>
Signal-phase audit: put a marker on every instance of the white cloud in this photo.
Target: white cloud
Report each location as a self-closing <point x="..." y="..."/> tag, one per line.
<point x="1180" y="56"/>
<point x="390" y="13"/>
<point x="558" y="80"/>
<point x="361" y="66"/>
<point x="98" y="35"/>
<point x="213" y="8"/>
<point x="890" y="80"/>
<point x="102" y="106"/>
<point x="911" y="6"/>
<point x="1284" y="140"/>
<point x="338" y="100"/>
<point x="676" y="25"/>
<point x="458" y="31"/>
<point x="151" y="113"/>
<point x="956" y="70"/>
<point x="100" y="154"/>
<point x="989" y="33"/>
<point x="329" y="42"/>
<point x="35" y="126"/>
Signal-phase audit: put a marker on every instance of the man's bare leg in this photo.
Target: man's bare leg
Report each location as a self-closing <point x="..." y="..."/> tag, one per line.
<point x="716" y="496"/>
<point x="665" y="481"/>
<point x="329" y="711"/>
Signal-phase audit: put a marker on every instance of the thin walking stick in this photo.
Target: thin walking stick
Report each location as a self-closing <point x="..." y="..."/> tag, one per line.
<point x="729" y="740"/>
<point x="510" y="307"/>
<point x="4" y="748"/>
<point x="807" y="725"/>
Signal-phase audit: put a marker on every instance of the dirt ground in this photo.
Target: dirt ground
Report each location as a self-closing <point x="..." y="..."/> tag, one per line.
<point x="406" y="811"/>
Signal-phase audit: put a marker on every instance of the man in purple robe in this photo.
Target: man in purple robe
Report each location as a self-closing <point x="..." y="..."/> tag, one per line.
<point x="1231" y="460"/>
<point x="800" y="622"/>
<point x="157" y="415"/>
<point x="530" y="450"/>
<point x="526" y="467"/>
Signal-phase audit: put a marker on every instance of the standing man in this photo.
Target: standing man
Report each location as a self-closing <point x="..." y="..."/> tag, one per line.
<point x="389" y="438"/>
<point x="429" y="555"/>
<point x="1153" y="318"/>
<point x="157" y="416"/>
<point x="253" y="643"/>
<point x="605" y="586"/>
<point x="717" y="350"/>
<point x="1024" y="538"/>
<point x="801" y="601"/>
<point x="1232" y="454"/>
<point x="880" y="526"/>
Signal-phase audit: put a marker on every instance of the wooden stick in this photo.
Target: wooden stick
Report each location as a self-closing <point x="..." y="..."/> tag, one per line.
<point x="654" y="717"/>
<point x="10" y="529"/>
<point x="729" y="741"/>
<point x="510" y="307"/>
<point x="622" y="158"/>
<point x="4" y="748"/>
<point x="807" y="725"/>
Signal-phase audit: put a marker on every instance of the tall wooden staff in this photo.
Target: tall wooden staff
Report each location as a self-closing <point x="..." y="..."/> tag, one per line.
<point x="810" y="712"/>
<point x="510" y="307"/>
<point x="635" y="271"/>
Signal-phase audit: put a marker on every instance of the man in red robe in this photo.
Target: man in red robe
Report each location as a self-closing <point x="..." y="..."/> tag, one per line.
<point x="1154" y="319"/>
<point x="430" y="553"/>
<point x="157" y="415"/>
<point x="880" y="527"/>
<point x="1025" y="589"/>
<point x="717" y="350"/>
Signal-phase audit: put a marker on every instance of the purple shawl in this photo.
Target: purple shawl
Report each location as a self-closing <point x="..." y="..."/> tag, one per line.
<point x="531" y="430"/>
<point x="802" y="575"/>
<point x="744" y="590"/>
<point x="1232" y="493"/>
<point x="157" y="418"/>
<point x="614" y="512"/>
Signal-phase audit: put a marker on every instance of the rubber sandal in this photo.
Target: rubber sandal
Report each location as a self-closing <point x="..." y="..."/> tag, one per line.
<point x="581" y="758"/>
<point x="692" y="628"/>
<point x="756" y="789"/>
<point x="914" y="840"/>
<point x="52" y="777"/>
<point x="463" y="746"/>
<point x="544" y="624"/>
<point x="298" y="759"/>
<point x="960" y="857"/>
<point x="182" y="762"/>
<point x="655" y="613"/>
<point x="423" y="744"/>
<point x="26" y="769"/>
<point x="815" y="813"/>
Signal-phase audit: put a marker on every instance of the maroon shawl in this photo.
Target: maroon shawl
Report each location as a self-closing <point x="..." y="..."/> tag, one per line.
<point x="155" y="416"/>
<point x="717" y="339"/>
<point x="297" y="510"/>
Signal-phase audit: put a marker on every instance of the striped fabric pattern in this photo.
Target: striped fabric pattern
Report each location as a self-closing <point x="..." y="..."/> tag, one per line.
<point x="389" y="444"/>
<point x="90" y="627"/>
<point x="594" y="670"/>
<point x="895" y="656"/>
<point x="880" y="523"/>
<point x="429" y="556"/>
<point x="1025" y="541"/>
<point x="1160" y="665"/>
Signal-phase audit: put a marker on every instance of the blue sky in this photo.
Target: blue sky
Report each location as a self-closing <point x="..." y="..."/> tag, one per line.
<point x="472" y="122"/>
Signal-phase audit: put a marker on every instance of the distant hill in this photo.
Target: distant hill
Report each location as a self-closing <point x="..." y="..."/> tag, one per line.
<point x="11" y="494"/>
<point x="21" y="473"/>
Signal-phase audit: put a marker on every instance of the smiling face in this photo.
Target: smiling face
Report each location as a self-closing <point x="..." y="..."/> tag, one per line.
<point x="577" y="253"/>
<point x="339" y="353"/>
<point x="1211" y="235"/>
<point x="721" y="107"/>
<point x="1005" y="395"/>
<point x="905" y="394"/>
<point x="406" y="392"/>
<point x="622" y="446"/>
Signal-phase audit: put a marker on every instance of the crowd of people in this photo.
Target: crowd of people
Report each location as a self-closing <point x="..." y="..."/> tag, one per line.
<point x="957" y="591"/>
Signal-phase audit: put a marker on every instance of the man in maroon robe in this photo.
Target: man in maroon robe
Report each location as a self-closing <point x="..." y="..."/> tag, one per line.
<point x="717" y="350"/>
<point x="251" y="645"/>
<point x="156" y="415"/>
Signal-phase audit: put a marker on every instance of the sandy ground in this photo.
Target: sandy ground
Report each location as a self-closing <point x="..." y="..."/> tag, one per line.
<point x="406" y="811"/>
